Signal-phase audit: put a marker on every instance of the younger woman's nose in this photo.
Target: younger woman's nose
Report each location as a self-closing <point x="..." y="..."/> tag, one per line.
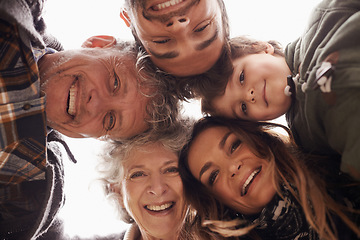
<point x="234" y="169"/>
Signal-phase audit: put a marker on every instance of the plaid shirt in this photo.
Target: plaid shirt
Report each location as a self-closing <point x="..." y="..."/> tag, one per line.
<point x="22" y="113"/>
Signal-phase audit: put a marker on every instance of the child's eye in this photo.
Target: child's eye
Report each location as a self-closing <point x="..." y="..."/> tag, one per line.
<point x="242" y="78"/>
<point x="244" y="108"/>
<point x="212" y="177"/>
<point x="235" y="145"/>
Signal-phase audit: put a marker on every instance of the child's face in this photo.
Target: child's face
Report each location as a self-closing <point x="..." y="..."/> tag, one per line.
<point x="255" y="91"/>
<point x="231" y="171"/>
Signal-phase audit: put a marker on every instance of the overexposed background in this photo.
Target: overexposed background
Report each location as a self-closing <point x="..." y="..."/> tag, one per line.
<point x="86" y="212"/>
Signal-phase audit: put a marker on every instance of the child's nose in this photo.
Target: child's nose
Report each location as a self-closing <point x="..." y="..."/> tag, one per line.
<point x="250" y="97"/>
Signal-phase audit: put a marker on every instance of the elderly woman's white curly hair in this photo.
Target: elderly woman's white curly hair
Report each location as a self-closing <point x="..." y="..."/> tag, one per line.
<point x="116" y="153"/>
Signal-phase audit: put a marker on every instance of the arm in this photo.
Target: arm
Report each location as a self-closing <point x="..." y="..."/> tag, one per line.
<point x="22" y="110"/>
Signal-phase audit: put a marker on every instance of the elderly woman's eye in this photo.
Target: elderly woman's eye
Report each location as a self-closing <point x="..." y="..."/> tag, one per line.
<point x="172" y="169"/>
<point x="137" y="175"/>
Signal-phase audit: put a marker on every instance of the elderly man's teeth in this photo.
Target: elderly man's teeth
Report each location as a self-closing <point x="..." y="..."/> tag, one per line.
<point x="167" y="4"/>
<point x="72" y="100"/>
<point x="157" y="208"/>
<point x="249" y="180"/>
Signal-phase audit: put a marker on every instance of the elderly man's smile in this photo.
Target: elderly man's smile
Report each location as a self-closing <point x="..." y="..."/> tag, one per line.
<point x="72" y="97"/>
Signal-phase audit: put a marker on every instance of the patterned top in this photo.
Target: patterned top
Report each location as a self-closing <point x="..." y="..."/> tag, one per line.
<point x="284" y="219"/>
<point x="22" y="114"/>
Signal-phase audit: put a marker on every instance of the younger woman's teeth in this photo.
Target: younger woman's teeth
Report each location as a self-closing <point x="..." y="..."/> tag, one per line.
<point x="249" y="181"/>
<point x="157" y="208"/>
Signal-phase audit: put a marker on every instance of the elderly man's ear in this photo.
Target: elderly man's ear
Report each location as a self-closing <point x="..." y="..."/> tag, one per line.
<point x="125" y="17"/>
<point x="101" y="41"/>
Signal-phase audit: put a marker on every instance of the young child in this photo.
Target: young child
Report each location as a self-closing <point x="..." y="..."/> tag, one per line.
<point x="322" y="95"/>
<point x="244" y="179"/>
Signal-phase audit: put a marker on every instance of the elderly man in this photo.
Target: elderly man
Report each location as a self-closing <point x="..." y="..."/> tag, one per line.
<point x="183" y="38"/>
<point x="90" y="92"/>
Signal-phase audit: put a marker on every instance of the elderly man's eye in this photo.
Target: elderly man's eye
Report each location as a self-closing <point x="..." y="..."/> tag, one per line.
<point x="109" y="121"/>
<point x="117" y="83"/>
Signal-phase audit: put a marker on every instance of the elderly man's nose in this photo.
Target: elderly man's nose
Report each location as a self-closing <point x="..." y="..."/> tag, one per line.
<point x="94" y="103"/>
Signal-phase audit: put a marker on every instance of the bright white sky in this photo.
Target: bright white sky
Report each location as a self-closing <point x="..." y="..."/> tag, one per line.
<point x="86" y="212"/>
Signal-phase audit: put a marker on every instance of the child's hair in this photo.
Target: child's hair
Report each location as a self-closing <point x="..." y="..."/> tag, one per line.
<point x="202" y="84"/>
<point x="239" y="47"/>
<point x="287" y="168"/>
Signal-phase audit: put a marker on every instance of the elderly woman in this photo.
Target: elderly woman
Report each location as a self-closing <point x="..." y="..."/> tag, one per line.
<point x="142" y="176"/>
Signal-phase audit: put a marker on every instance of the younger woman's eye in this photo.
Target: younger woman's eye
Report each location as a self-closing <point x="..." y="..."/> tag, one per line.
<point x="235" y="145"/>
<point x="109" y="121"/>
<point x="212" y="177"/>
<point x="242" y="78"/>
<point x="161" y="41"/>
<point x="200" y="29"/>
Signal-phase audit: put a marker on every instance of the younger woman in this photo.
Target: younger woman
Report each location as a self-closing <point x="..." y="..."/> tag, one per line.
<point x="242" y="171"/>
